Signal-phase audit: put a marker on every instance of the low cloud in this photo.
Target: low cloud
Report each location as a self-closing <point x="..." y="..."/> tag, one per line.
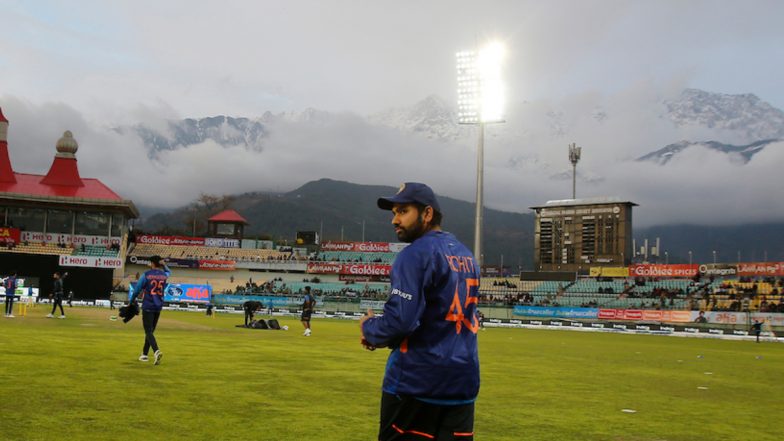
<point x="526" y="164"/>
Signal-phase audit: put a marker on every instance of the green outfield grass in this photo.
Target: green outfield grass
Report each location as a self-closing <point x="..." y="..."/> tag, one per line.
<point x="79" y="379"/>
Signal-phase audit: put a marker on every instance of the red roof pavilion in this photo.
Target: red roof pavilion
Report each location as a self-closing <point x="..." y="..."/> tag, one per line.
<point x="62" y="184"/>
<point x="228" y="216"/>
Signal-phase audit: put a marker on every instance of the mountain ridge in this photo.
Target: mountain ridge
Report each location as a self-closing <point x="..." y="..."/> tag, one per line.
<point x="743" y="117"/>
<point x="743" y="152"/>
<point x="338" y="209"/>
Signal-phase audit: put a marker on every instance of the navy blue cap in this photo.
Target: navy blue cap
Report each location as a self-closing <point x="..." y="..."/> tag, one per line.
<point x="411" y="193"/>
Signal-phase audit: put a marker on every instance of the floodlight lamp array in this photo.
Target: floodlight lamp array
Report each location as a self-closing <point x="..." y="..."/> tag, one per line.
<point x="468" y="88"/>
<point x="479" y="85"/>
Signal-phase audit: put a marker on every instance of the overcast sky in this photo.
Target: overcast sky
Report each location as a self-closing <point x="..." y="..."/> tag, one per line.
<point x="91" y="65"/>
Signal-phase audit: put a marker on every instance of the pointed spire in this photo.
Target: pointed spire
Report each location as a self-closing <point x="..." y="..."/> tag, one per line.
<point x="64" y="170"/>
<point x="6" y="171"/>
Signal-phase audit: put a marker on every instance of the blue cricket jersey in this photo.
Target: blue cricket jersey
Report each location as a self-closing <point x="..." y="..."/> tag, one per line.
<point x="151" y="287"/>
<point x="430" y="322"/>
<point x="10" y="285"/>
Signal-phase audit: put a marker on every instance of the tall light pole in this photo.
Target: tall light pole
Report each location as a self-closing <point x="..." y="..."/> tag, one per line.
<point x="479" y="102"/>
<point x="689" y="257"/>
<point x="574" y="158"/>
<point x="714" y="257"/>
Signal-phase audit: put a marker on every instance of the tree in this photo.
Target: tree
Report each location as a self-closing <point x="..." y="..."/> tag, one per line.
<point x="205" y="206"/>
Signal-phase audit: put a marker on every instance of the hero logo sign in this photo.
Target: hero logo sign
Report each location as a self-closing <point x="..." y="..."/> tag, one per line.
<point x="90" y="262"/>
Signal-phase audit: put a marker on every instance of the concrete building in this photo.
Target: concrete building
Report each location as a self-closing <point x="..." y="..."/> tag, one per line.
<point x="576" y="234"/>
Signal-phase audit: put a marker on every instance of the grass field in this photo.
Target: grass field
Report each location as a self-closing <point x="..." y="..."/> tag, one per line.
<point x="79" y="379"/>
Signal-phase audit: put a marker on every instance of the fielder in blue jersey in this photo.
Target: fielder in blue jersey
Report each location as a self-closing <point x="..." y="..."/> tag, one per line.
<point x="150" y="288"/>
<point x="10" y="292"/>
<point x="430" y="322"/>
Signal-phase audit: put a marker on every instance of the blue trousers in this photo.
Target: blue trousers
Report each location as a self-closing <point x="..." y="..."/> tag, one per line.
<point x="150" y="321"/>
<point x="9" y="304"/>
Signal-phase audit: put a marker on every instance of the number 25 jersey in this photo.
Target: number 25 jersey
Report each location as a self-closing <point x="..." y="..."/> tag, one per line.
<point x="151" y="287"/>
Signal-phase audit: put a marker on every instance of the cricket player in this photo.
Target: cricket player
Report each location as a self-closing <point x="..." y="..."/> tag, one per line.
<point x="430" y="323"/>
<point x="308" y="305"/>
<point x="756" y="329"/>
<point x="150" y="288"/>
<point x="250" y="307"/>
<point x="57" y="294"/>
<point x="10" y="291"/>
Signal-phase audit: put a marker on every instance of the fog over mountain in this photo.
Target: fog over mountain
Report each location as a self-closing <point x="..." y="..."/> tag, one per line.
<point x="161" y="160"/>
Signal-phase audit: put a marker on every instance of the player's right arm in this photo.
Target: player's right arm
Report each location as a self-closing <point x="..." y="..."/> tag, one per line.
<point x="405" y="305"/>
<point x="139" y="287"/>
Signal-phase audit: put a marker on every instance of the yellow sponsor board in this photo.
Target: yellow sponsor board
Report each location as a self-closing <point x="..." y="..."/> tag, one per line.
<point x="609" y="271"/>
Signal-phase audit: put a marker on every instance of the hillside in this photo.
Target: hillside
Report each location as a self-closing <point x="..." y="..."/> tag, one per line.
<point x="333" y="207"/>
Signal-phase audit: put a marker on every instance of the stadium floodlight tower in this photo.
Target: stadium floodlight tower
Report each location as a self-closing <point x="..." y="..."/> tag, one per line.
<point x="480" y="100"/>
<point x="574" y="158"/>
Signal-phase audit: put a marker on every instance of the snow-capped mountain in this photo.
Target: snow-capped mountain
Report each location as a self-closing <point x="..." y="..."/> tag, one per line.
<point x="740" y="153"/>
<point x="432" y="118"/>
<point x="744" y="113"/>
<point x="224" y="130"/>
<point x="724" y="118"/>
<point x="742" y="116"/>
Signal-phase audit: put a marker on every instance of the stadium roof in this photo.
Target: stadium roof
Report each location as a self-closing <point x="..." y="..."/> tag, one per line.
<point x="228" y="216"/>
<point x="33" y="185"/>
<point x="584" y="201"/>
<point x="62" y="184"/>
